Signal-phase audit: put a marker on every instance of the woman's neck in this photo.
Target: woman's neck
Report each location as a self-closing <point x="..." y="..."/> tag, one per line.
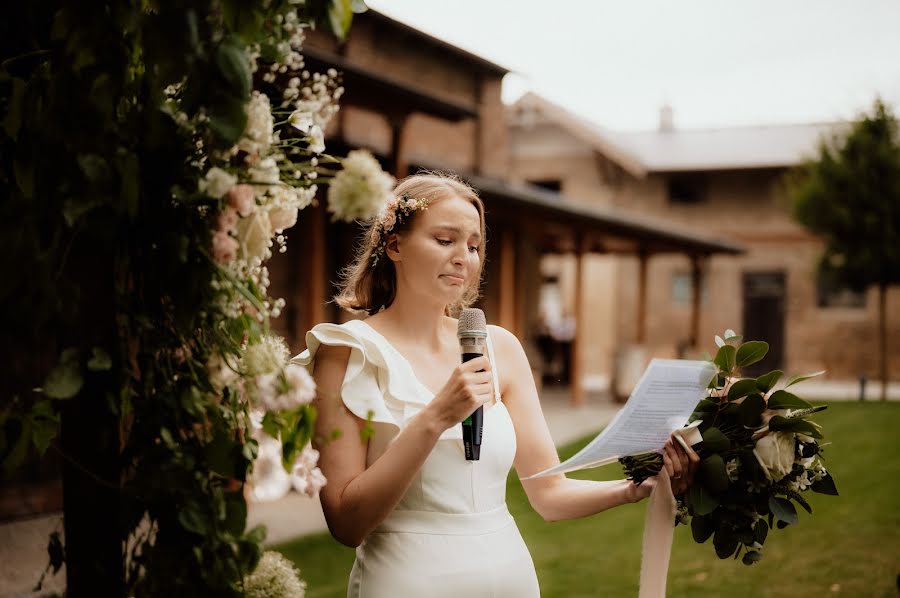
<point x="416" y="322"/>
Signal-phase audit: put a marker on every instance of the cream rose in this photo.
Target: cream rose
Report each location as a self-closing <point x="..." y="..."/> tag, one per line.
<point x="282" y="218"/>
<point x="243" y="199"/>
<point x="255" y="234"/>
<point x="775" y="452"/>
<point x="217" y="182"/>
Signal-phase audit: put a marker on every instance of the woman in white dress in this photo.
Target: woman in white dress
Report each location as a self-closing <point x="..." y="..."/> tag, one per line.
<point x="424" y="521"/>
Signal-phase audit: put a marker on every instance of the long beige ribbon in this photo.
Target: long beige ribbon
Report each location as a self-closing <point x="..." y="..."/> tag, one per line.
<point x="658" y="531"/>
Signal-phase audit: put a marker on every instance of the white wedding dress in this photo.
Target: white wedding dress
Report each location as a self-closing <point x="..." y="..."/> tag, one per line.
<point x="451" y="535"/>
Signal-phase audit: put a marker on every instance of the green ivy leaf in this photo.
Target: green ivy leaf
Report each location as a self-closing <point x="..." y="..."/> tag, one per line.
<point x="228" y="119"/>
<point x="781" y="399"/>
<point x="767" y="381"/>
<point x="232" y="64"/>
<point x="100" y="360"/>
<point x="44" y="425"/>
<point x="193" y="520"/>
<point x="65" y="379"/>
<point x="715" y="441"/>
<point x="783" y="509"/>
<point x="790" y="424"/>
<point x="712" y="471"/>
<point x="751" y="352"/>
<point x="235" y="513"/>
<point x="742" y="388"/>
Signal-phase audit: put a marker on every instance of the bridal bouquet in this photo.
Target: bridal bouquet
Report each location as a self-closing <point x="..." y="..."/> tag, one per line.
<point x="759" y="453"/>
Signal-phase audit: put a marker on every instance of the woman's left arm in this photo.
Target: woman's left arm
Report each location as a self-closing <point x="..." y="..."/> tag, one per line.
<point x="557" y="497"/>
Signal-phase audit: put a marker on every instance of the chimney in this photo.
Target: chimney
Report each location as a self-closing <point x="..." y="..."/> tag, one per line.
<point x="666" y="119"/>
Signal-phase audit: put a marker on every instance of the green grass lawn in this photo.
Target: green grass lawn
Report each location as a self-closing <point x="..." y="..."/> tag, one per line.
<point x="850" y="546"/>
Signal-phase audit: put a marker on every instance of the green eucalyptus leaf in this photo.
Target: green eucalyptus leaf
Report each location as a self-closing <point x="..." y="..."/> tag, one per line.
<point x="725" y="542"/>
<point x="751" y="352"/>
<point x="99" y="361"/>
<point x="783" y="509"/>
<point x="725" y="358"/>
<point x="65" y="379"/>
<point x="795" y="379"/>
<point x="742" y="388"/>
<point x="781" y="399"/>
<point x="702" y="501"/>
<point x="752" y="556"/>
<point x="767" y="381"/>
<point x="751" y="410"/>
<point x="713" y="473"/>
<point x="714" y="441"/>
<point x="701" y="528"/>
<point x="760" y="531"/>
<point x="825" y="485"/>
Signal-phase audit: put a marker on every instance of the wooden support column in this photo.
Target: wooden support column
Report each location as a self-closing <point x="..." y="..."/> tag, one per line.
<point x="399" y="143"/>
<point x="315" y="291"/>
<point x="577" y="367"/>
<point x="642" y="298"/>
<point x="508" y="287"/>
<point x="696" y="278"/>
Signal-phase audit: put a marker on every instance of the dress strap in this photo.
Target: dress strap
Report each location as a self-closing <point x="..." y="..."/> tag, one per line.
<point x="494" y="373"/>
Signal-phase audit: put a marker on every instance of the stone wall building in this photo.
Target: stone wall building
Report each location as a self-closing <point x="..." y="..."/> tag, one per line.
<point x="726" y="183"/>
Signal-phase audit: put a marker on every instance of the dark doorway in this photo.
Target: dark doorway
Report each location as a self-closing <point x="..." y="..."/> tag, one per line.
<point x="764" y="299"/>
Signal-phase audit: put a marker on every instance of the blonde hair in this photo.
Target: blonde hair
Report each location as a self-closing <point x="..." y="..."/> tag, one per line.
<point x="369" y="288"/>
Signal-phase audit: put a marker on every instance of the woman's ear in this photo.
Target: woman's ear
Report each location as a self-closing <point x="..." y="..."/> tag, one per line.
<point x="392" y="247"/>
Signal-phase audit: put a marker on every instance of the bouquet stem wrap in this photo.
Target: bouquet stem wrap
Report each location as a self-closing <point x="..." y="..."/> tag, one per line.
<point x="659" y="527"/>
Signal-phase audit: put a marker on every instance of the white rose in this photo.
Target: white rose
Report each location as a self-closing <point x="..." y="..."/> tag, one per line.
<point x="217" y="182"/>
<point x="282" y="218"/>
<point x="255" y="234"/>
<point x="775" y="452"/>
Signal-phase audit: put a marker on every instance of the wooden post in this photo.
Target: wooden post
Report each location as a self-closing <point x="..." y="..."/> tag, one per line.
<point x="642" y="298"/>
<point x="577" y="369"/>
<point x="400" y="166"/>
<point x="508" y="287"/>
<point x="696" y="279"/>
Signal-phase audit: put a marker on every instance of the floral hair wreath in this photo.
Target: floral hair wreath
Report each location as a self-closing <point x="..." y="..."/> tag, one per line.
<point x="395" y="212"/>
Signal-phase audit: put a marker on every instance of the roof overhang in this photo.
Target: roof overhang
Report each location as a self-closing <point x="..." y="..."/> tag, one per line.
<point x="376" y="91"/>
<point x="601" y="229"/>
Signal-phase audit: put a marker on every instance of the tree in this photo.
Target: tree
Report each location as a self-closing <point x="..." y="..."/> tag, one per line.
<point x="850" y="195"/>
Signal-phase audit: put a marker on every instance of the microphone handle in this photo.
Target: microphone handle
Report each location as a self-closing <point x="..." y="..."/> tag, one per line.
<point x="473" y="426"/>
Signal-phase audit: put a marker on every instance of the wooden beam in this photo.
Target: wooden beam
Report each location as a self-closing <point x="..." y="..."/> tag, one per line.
<point x="314" y="294"/>
<point x="642" y="298"/>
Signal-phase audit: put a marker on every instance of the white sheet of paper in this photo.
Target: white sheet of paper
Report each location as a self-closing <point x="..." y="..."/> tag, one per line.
<point x="662" y="402"/>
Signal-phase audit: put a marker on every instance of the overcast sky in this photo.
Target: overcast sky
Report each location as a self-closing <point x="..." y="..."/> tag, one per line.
<point x="716" y="62"/>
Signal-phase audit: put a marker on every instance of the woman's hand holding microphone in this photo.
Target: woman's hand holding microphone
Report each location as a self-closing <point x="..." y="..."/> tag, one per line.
<point x="465" y="390"/>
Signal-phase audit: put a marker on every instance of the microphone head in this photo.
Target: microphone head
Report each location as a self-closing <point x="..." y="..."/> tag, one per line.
<point x="471" y="322"/>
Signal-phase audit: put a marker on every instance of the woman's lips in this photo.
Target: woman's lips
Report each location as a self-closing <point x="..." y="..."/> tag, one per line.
<point x="455" y="278"/>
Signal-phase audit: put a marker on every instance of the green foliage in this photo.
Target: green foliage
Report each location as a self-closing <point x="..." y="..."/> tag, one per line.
<point x="104" y="249"/>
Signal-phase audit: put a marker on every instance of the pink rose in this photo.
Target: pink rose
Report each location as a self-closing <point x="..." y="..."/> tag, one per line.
<point x="227" y="219"/>
<point x="224" y="247"/>
<point x="242" y="198"/>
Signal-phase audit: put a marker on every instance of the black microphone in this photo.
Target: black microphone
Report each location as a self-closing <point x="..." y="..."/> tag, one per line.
<point x="472" y="334"/>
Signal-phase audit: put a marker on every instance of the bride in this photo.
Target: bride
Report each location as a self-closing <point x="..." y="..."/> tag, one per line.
<point x="390" y="399"/>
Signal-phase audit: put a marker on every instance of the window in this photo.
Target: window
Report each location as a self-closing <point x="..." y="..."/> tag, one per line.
<point x="682" y="289"/>
<point x="833" y="294"/>
<point x="554" y="185"/>
<point x="687" y="188"/>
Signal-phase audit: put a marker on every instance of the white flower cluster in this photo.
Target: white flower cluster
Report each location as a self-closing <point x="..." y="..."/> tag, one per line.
<point x="274" y="577"/>
<point x="269" y="481"/>
<point x="360" y="189"/>
<point x="258" y="136"/>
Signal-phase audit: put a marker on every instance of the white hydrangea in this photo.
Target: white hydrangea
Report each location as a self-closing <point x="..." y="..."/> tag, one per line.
<point x="257" y="136"/>
<point x="360" y="188"/>
<point x="267" y="356"/>
<point x="217" y="182"/>
<point x="274" y="577"/>
<point x="283" y="391"/>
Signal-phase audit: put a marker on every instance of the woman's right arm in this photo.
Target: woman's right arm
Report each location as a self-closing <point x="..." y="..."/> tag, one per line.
<point x="356" y="500"/>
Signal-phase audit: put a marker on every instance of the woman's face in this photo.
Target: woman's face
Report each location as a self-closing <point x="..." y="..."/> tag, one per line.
<point x="438" y="256"/>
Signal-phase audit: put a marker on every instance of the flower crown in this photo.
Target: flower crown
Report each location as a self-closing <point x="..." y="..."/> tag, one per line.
<point x="395" y="212"/>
